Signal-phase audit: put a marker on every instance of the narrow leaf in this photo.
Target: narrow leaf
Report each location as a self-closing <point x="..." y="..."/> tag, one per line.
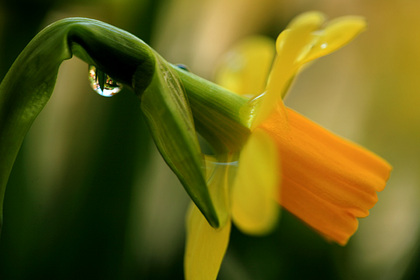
<point x="170" y="120"/>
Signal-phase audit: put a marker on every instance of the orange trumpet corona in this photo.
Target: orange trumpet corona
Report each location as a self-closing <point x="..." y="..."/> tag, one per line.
<point x="327" y="181"/>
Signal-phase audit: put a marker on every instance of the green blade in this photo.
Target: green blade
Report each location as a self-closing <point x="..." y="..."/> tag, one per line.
<point x="169" y="117"/>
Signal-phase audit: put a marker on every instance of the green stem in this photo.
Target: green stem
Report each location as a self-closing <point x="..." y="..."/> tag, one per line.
<point x="216" y="111"/>
<point x="29" y="83"/>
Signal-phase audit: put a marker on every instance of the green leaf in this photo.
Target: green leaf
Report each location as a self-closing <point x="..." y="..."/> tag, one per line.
<point x="170" y="120"/>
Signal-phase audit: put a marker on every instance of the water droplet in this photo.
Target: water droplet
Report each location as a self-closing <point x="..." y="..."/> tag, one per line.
<point x="183" y="67"/>
<point x="102" y="83"/>
<point x="323" y="46"/>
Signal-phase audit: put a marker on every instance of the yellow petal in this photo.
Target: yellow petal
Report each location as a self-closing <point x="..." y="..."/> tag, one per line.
<point x="246" y="67"/>
<point x="292" y="44"/>
<point x="299" y="36"/>
<point x="256" y="185"/>
<point x="336" y="34"/>
<point x="327" y="181"/>
<point x="218" y="182"/>
<point x="302" y="42"/>
<point x="205" y="247"/>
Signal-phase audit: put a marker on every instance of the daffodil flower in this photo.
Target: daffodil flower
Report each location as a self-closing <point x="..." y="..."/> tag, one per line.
<point x="326" y="181"/>
<point x="263" y="154"/>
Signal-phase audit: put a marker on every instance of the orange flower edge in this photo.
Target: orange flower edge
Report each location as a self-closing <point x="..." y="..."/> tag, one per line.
<point x="327" y="181"/>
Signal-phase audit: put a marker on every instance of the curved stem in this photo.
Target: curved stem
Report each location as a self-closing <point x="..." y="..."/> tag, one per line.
<point x="175" y="103"/>
<point x="30" y="81"/>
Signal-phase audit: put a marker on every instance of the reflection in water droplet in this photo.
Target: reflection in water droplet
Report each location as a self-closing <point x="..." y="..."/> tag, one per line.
<point x="102" y="83"/>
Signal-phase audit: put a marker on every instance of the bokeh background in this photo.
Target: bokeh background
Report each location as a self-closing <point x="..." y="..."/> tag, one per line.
<point x="90" y="198"/>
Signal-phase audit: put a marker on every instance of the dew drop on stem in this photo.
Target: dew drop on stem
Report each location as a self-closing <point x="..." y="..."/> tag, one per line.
<point x="102" y="83"/>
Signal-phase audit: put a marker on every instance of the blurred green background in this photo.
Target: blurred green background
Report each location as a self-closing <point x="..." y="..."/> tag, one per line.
<point x="90" y="198"/>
